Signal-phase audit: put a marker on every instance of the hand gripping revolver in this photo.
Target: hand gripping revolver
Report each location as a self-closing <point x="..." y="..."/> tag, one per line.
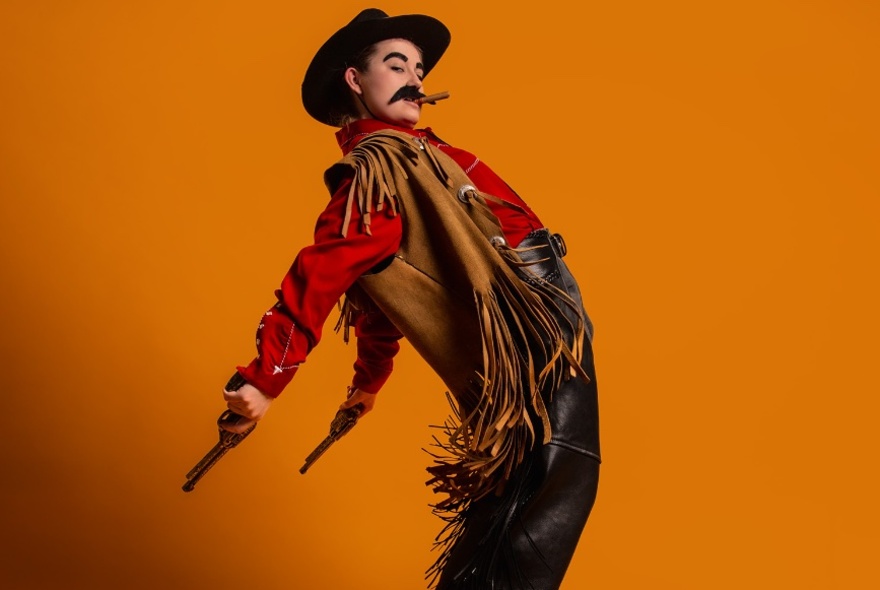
<point x="341" y="424"/>
<point x="228" y="440"/>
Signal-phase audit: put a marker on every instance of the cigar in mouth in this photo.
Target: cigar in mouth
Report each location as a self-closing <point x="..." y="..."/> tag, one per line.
<point x="432" y="98"/>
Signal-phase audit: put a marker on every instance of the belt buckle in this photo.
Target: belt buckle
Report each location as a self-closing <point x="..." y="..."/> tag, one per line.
<point x="559" y="244"/>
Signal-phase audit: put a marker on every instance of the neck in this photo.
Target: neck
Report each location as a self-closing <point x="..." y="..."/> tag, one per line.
<point x="367" y="113"/>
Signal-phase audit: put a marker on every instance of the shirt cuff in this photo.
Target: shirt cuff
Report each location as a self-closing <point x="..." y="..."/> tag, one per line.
<point x="270" y="382"/>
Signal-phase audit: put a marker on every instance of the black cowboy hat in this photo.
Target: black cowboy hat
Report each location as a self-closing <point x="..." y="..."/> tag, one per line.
<point x="321" y="88"/>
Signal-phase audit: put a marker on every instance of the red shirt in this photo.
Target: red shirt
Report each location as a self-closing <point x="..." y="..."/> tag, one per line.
<point x="322" y="272"/>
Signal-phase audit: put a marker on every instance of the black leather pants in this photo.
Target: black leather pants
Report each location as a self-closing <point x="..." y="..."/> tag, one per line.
<point x="529" y="545"/>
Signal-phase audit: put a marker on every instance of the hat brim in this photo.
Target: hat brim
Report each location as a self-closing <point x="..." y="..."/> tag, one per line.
<point x="320" y="84"/>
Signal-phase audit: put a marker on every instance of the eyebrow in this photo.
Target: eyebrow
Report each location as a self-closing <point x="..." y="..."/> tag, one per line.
<point x="402" y="57"/>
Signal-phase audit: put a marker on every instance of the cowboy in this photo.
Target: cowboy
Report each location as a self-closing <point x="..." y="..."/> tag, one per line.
<point x="427" y="243"/>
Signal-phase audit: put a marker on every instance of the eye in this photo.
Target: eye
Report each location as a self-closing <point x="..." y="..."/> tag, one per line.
<point x="397" y="68"/>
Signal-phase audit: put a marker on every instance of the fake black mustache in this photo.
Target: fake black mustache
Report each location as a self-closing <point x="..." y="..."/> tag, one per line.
<point x="410" y="92"/>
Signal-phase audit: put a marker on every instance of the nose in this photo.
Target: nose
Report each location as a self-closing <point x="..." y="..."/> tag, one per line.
<point x="415" y="80"/>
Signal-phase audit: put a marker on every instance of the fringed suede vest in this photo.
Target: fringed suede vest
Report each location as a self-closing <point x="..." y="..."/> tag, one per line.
<point x="453" y="291"/>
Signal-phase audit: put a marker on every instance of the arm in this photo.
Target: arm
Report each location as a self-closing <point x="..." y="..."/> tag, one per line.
<point x="377" y="344"/>
<point x="318" y="277"/>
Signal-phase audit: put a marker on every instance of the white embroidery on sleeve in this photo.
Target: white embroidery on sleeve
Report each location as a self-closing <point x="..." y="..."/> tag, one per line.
<point x="280" y="366"/>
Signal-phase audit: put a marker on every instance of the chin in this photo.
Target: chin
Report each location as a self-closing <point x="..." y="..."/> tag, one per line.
<point x="406" y="117"/>
<point x="409" y="124"/>
<point x="402" y="121"/>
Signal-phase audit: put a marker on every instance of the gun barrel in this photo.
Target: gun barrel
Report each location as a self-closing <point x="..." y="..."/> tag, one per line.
<point x="339" y="427"/>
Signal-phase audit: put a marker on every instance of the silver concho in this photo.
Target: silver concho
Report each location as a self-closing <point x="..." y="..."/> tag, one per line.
<point x="463" y="192"/>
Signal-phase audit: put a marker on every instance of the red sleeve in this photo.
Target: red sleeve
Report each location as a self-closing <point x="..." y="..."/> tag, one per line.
<point x="318" y="277"/>
<point x="377" y="345"/>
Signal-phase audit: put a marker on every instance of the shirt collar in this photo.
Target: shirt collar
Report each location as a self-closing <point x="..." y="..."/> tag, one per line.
<point x="351" y="134"/>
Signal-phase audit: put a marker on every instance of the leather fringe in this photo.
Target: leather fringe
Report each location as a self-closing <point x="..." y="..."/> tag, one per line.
<point x="491" y="558"/>
<point x="491" y="430"/>
<point x="373" y="184"/>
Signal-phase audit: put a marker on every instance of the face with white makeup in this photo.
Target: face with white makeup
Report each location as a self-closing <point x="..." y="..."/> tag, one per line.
<point x="386" y="83"/>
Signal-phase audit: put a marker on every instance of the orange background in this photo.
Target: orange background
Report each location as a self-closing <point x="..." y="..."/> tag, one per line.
<point x="713" y="166"/>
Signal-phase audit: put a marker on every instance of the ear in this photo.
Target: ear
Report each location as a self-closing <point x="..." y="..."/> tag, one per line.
<point x="352" y="79"/>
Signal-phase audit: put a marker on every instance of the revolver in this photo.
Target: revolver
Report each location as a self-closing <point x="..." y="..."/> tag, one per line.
<point x="228" y="440"/>
<point x="339" y="427"/>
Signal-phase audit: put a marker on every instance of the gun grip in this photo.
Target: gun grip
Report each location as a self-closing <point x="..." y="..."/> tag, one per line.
<point x="235" y="382"/>
<point x="230" y="418"/>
